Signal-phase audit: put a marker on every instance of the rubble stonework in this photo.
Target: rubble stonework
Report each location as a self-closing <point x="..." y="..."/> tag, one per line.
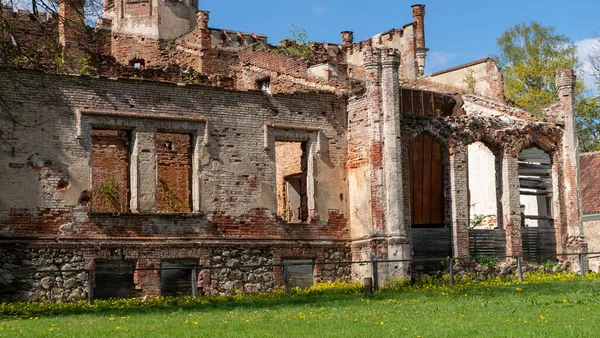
<point x="233" y="152"/>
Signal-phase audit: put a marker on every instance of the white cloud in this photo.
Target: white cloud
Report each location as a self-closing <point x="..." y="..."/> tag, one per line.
<point x="584" y="47"/>
<point x="318" y="10"/>
<point x="439" y="61"/>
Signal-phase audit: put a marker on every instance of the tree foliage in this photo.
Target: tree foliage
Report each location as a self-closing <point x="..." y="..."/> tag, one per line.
<point x="530" y="54"/>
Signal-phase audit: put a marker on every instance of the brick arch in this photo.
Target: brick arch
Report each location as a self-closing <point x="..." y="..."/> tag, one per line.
<point x="538" y="141"/>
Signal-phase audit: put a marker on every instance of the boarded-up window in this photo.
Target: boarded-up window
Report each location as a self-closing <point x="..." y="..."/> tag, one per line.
<point x="535" y="179"/>
<point x="110" y="171"/>
<point x="300" y="275"/>
<point x="173" y="153"/>
<point x="114" y="279"/>
<point x="426" y="182"/>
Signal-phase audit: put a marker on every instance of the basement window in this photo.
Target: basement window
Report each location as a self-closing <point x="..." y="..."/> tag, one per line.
<point x="264" y="85"/>
<point x="175" y="278"/>
<point x="114" y="279"/>
<point x="291" y="181"/>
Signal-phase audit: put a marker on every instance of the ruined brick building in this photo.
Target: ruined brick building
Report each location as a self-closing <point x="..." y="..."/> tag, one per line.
<point x="184" y="144"/>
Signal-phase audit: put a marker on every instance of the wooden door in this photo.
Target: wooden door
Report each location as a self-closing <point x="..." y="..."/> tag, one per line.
<point x="426" y="182"/>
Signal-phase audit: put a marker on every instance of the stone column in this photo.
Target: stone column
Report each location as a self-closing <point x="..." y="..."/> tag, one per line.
<point x="570" y="235"/>
<point x="511" y="204"/>
<point x="143" y="172"/>
<point x="367" y="187"/>
<point x="459" y="183"/>
<point x="373" y="93"/>
<point x="398" y="240"/>
<point x="565" y="86"/>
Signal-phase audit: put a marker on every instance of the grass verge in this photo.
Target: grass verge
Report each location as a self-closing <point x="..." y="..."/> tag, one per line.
<point x="549" y="305"/>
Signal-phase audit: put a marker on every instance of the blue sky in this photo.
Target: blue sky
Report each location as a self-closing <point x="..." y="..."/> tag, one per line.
<point x="456" y="31"/>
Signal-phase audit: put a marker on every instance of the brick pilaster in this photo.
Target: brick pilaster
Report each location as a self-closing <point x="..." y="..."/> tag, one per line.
<point x="460" y="201"/>
<point x="511" y="204"/>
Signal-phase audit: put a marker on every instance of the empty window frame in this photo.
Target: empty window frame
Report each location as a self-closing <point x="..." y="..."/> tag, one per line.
<point x="110" y="170"/>
<point x="264" y="85"/>
<point x="483" y="190"/>
<point x="291" y="181"/>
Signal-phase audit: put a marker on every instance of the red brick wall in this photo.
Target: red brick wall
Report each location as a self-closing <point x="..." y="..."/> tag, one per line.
<point x="288" y="157"/>
<point x="174" y="170"/>
<point x="274" y="61"/>
<point x="110" y="171"/>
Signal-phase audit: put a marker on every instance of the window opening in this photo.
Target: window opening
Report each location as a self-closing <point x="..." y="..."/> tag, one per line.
<point x="114" y="279"/>
<point x="535" y="179"/>
<point x="264" y="85"/>
<point x="483" y="191"/>
<point x="291" y="182"/>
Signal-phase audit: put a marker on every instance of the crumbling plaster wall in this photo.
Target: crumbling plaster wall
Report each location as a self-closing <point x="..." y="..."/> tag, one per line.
<point x="235" y="169"/>
<point x="481" y="78"/>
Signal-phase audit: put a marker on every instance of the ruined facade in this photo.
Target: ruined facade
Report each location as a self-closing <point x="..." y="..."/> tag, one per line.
<point x="236" y="152"/>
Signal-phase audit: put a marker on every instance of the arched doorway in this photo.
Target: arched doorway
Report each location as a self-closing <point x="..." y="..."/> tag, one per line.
<point x="426" y="182"/>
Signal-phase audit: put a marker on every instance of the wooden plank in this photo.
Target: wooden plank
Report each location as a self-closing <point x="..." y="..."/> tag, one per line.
<point x="417" y="104"/>
<point x="536" y="193"/>
<point x="535" y="155"/>
<point x="411" y="171"/>
<point x="437" y="185"/>
<point x="427" y="154"/>
<point x="418" y="179"/>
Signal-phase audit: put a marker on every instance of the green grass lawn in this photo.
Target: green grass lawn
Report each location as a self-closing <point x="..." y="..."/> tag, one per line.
<point x="542" y="307"/>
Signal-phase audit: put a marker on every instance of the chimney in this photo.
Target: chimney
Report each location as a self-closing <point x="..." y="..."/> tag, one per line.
<point x="418" y="12"/>
<point x="71" y="29"/>
<point x="203" y="31"/>
<point x="565" y="81"/>
<point x="347" y="38"/>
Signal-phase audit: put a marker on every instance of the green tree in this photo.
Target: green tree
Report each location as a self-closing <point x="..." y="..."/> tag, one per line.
<point x="530" y="54"/>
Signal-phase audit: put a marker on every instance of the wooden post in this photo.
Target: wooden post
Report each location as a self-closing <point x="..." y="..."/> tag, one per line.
<point x="582" y="264"/>
<point x="286" y="279"/>
<point x="194" y="282"/>
<point x="375" y="272"/>
<point x="91" y="286"/>
<point x="520" y="269"/>
<point x="451" y="265"/>
<point x="368" y="283"/>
